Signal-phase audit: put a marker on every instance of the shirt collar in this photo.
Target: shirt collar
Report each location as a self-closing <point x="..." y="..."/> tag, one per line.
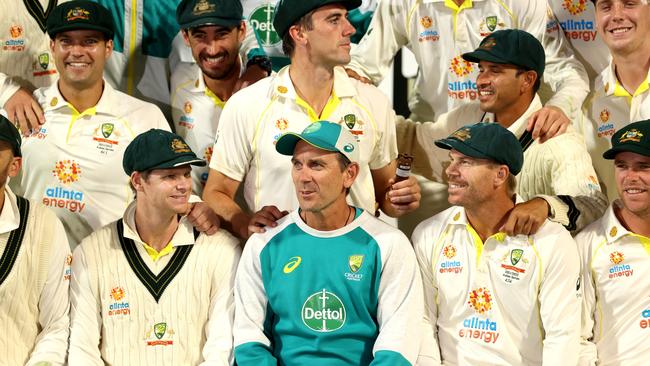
<point x="610" y="82"/>
<point x="282" y="85"/>
<point x="184" y="235"/>
<point x="518" y="127"/>
<point x="10" y="216"/>
<point x="611" y="226"/>
<point x="106" y="104"/>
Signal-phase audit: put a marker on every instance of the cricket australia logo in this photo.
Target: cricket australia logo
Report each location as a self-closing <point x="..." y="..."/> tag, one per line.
<point x="354" y="263"/>
<point x="262" y="21"/>
<point x="323" y="312"/>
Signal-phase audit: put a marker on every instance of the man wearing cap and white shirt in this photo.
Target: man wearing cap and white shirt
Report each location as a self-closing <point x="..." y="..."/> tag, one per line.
<point x="557" y="179"/>
<point x="316" y="36"/>
<point x="615" y="253"/>
<point x="491" y="298"/>
<point x="34" y="271"/>
<point x="148" y="287"/>
<point x="622" y="91"/>
<point x="69" y="165"/>
<point x="330" y="284"/>
<point x="199" y="93"/>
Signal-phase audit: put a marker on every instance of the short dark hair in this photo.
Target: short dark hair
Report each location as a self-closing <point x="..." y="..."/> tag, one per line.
<point x="145" y="177"/>
<point x="343" y="163"/>
<point x="305" y="22"/>
<point x="538" y="80"/>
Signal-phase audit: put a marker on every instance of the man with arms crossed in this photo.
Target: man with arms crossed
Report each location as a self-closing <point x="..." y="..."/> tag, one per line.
<point x="491" y="298"/>
<point x="147" y="287"/>
<point x="34" y="271"/>
<point x="615" y="253"/>
<point x="316" y="36"/>
<point x="330" y="284"/>
<point x="622" y="90"/>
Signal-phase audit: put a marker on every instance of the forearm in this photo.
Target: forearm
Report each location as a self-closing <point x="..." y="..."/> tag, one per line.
<point x="7" y="89"/>
<point x="232" y="217"/>
<point x="576" y="212"/>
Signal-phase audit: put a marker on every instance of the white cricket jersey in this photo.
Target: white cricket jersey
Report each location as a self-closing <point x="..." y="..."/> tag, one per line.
<point x="34" y="281"/>
<point x="577" y="19"/>
<point x="129" y="310"/>
<point x="255" y="117"/>
<point x="505" y="301"/>
<point x="24" y="44"/>
<point x="195" y="112"/>
<point x="438" y="32"/>
<point x="558" y="170"/>
<point x="7" y="89"/>
<point x="609" y="108"/>
<point x="616" y="300"/>
<point x="74" y="163"/>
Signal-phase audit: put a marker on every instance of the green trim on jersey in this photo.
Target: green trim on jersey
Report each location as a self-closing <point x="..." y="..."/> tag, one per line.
<point x="156" y="285"/>
<point x="15" y="240"/>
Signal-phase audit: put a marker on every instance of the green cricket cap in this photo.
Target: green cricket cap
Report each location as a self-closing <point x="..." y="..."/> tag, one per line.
<point x="10" y="134"/>
<point x="158" y="149"/>
<point x="487" y="141"/>
<point x="511" y="46"/>
<point x="634" y="137"/>
<point x="197" y="13"/>
<point x="287" y="12"/>
<point x="80" y="14"/>
<point x="323" y="135"/>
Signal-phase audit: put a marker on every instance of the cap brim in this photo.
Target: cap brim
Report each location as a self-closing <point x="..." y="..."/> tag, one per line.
<point x="483" y="55"/>
<point x="637" y="149"/>
<point x="180" y="161"/>
<point x="286" y="144"/>
<point x="81" y="26"/>
<point x="224" y="22"/>
<point x="459" y="146"/>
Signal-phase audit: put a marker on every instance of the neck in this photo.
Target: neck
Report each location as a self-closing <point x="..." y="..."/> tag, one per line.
<point x="486" y="218"/>
<point x="507" y="117"/>
<point x="313" y="83"/>
<point x="638" y="224"/>
<point x="154" y="227"/>
<point x="82" y="99"/>
<point x="632" y="70"/>
<point x="223" y="88"/>
<point x="333" y="217"/>
<point x="459" y="2"/>
<point x="2" y="200"/>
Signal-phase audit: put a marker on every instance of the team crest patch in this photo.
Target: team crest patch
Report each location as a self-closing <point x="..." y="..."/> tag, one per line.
<point x="77" y="13"/>
<point x="491" y="22"/>
<point x="107" y="129"/>
<point x="160" y="335"/>
<point x="515" y="256"/>
<point x="44" y="60"/>
<point x="461" y="135"/>
<point x="355" y="262"/>
<point x="179" y="146"/>
<point x="426" y="21"/>
<point x="488" y="44"/>
<point x="633" y="135"/>
<point x="187" y="107"/>
<point x="350" y="120"/>
<point x="202" y="7"/>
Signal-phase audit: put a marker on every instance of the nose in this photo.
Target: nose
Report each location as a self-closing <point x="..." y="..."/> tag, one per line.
<point x="451" y="170"/>
<point x="348" y="28"/>
<point x="184" y="184"/>
<point x="617" y="10"/>
<point x="482" y="80"/>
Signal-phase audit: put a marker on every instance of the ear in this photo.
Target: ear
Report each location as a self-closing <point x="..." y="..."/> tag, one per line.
<point x="242" y="31"/>
<point x="350" y="173"/>
<point x="109" y="48"/>
<point x="14" y="166"/>
<point x="137" y="181"/>
<point x="296" y="32"/>
<point x="51" y="45"/>
<point x="186" y="36"/>
<point x="502" y="175"/>
<point x="529" y="77"/>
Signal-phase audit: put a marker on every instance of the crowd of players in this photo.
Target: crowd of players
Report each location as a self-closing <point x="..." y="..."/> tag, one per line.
<point x="249" y="233"/>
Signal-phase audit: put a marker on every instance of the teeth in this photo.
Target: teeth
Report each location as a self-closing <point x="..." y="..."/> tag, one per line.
<point x="77" y="64"/>
<point x="214" y="59"/>
<point x="620" y="30"/>
<point x="633" y="191"/>
<point x="485" y="92"/>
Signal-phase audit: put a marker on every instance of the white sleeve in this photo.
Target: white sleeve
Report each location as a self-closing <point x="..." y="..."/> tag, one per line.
<point x="85" y="313"/>
<point x="387" y="33"/>
<point x="233" y="146"/>
<point x="559" y="301"/>
<point x="429" y="354"/>
<point x="218" y="348"/>
<point x="588" y="353"/>
<point x="385" y="150"/>
<point x="400" y="303"/>
<point x="563" y="73"/>
<point x="53" y="304"/>
<point x="7" y="88"/>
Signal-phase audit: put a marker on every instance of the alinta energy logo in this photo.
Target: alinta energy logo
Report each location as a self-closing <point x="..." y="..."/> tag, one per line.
<point x="645" y="319"/>
<point x="619" y="269"/>
<point x="117" y="307"/>
<point x="578" y="28"/>
<point x="478" y="327"/>
<point x="66" y="172"/>
<point x="323" y="312"/>
<point x="461" y="89"/>
<point x="262" y="21"/>
<point x="428" y="34"/>
<point x="450" y="266"/>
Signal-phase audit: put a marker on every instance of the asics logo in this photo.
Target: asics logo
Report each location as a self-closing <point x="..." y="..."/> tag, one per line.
<point x="293" y="263"/>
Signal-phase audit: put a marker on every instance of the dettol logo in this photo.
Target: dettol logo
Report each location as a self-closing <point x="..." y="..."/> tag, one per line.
<point x="323" y="312"/>
<point x="262" y="21"/>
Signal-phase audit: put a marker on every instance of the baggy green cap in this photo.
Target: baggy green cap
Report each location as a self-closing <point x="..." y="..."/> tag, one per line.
<point x="487" y="141"/>
<point x="10" y="134"/>
<point x="80" y="14"/>
<point x="196" y="13"/>
<point x="288" y="12"/>
<point x="158" y="149"/>
<point x="634" y="137"/>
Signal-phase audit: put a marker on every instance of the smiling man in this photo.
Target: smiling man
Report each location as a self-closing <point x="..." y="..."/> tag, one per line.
<point x="148" y="287"/>
<point x="200" y="91"/>
<point x="491" y="298"/>
<point x="557" y="179"/>
<point x="622" y="91"/>
<point x="316" y="36"/>
<point x="331" y="284"/>
<point x="615" y="253"/>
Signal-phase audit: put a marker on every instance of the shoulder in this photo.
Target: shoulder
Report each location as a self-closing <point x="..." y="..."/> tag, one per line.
<point x="554" y="240"/>
<point x="222" y="242"/>
<point x="258" y="241"/>
<point x="434" y="225"/>
<point x="257" y="92"/>
<point x="100" y="242"/>
<point x="591" y="232"/>
<point x="183" y="75"/>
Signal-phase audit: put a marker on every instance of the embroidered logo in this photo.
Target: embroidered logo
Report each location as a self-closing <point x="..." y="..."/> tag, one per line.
<point x="179" y="146"/>
<point x="118" y="307"/>
<point x="574" y="7"/>
<point x="426" y="21"/>
<point x="633" y="135"/>
<point x="480" y="300"/>
<point x="77" y="13"/>
<point x="449" y="251"/>
<point x="460" y="66"/>
<point x="292" y="264"/>
<point x="67" y="171"/>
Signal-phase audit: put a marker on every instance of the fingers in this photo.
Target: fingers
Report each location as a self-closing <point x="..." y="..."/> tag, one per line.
<point x="266" y="217"/>
<point x="526" y="218"/>
<point x="547" y="123"/>
<point x="353" y="74"/>
<point x="405" y="195"/>
<point x="25" y="111"/>
<point x="203" y="218"/>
